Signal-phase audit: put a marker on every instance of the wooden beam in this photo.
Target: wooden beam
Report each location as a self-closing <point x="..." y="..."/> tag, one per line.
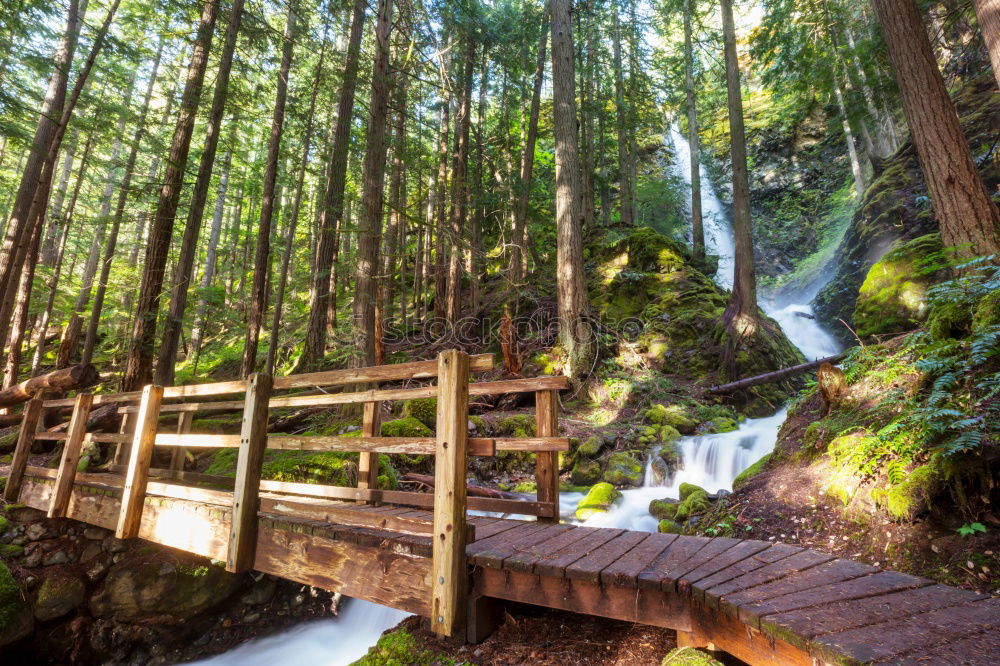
<point x="70" y="455"/>
<point x="178" y="455"/>
<point x="547" y="462"/>
<point x="409" y="445"/>
<point x="449" y="569"/>
<point x="371" y="426"/>
<point x="25" y="438"/>
<point x="378" y="373"/>
<point x="137" y="475"/>
<point x="106" y="437"/>
<point x="253" y="442"/>
<point x="127" y="431"/>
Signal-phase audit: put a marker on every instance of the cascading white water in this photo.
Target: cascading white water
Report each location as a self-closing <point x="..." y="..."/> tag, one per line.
<point x="329" y="642"/>
<point x="713" y="461"/>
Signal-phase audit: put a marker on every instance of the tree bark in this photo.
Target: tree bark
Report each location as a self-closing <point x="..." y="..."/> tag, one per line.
<point x="459" y="187"/>
<point x="332" y="210"/>
<point x="694" y="147"/>
<point x="184" y="267"/>
<point x="575" y="334"/>
<point x="741" y="316"/>
<point x="988" y="13"/>
<point x="519" y="241"/>
<point x="373" y="196"/>
<point x="627" y="214"/>
<point x="969" y="220"/>
<point x="138" y="364"/>
<point x="262" y="259"/>
<point x="67" y="379"/>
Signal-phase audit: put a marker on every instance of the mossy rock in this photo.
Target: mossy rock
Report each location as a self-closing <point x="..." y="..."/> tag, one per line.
<point x="422" y="409"/>
<point x="685" y="656"/>
<point x="60" y="593"/>
<point x="16" y="618"/>
<point x="893" y="297"/>
<point x="623" y="469"/>
<point x="4" y="524"/>
<point x="723" y="424"/>
<point x="688" y="489"/>
<point x="599" y="499"/>
<point x="585" y="472"/>
<point x="907" y="500"/>
<point x="750" y="472"/>
<point x="408" y="426"/>
<point x="517" y="425"/>
<point x="162" y="586"/>
<point x="401" y="648"/>
<point x="987" y="312"/>
<point x="667" y="526"/>
<point x="479" y="424"/>
<point x="591" y="447"/>
<point x="663" y="508"/>
<point x="10" y="551"/>
<point x="672" y="415"/>
<point x="664" y="463"/>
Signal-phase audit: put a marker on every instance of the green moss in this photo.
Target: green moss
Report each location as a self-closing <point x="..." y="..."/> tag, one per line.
<point x="480" y="424"/>
<point x="694" y="501"/>
<point x="663" y="508"/>
<point x="723" y="424"/>
<point x="10" y="551"/>
<point x="907" y="500"/>
<point x="526" y="487"/>
<point x="685" y="656"/>
<point x="15" y="613"/>
<point x="688" y="489"/>
<point x="893" y="297"/>
<point x="400" y="648"/>
<point x="590" y="447"/>
<point x="623" y="469"/>
<point x="585" y="472"/>
<point x="750" y="472"/>
<point x="4" y="524"/>
<point x="325" y="467"/>
<point x="422" y="409"/>
<point x="59" y="593"/>
<point x="408" y="426"/>
<point x="599" y="499"/>
<point x="987" y="312"/>
<point x="517" y="425"/>
<point x="667" y="526"/>
<point x="674" y="416"/>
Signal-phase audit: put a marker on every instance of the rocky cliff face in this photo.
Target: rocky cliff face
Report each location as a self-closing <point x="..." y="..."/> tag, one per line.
<point x="896" y="207"/>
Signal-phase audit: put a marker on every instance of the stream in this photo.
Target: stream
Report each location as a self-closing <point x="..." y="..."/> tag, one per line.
<point x="709" y="461"/>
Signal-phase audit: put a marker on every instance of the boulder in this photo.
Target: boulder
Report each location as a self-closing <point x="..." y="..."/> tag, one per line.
<point x="667" y="526"/>
<point x="422" y="409"/>
<point x="663" y="508"/>
<point x="599" y="499"/>
<point x="624" y="469"/>
<point x="585" y="472"/>
<point x="671" y="415"/>
<point x="61" y="592"/>
<point x="163" y="586"/>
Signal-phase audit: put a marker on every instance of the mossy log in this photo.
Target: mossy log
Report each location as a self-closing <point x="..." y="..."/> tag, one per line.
<point x="473" y="491"/>
<point x="66" y="379"/>
<point x="774" y="376"/>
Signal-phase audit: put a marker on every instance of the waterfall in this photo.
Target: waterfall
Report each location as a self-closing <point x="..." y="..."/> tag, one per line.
<point x="713" y="461"/>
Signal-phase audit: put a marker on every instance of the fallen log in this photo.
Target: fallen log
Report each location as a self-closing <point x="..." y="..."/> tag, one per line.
<point x="103" y="419"/>
<point x="9" y="420"/>
<point x="471" y="490"/>
<point x="775" y="376"/>
<point x="66" y="379"/>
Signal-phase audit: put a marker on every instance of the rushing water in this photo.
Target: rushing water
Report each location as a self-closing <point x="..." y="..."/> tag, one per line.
<point x="329" y="642"/>
<point x="713" y="461"/>
<point x="709" y="461"/>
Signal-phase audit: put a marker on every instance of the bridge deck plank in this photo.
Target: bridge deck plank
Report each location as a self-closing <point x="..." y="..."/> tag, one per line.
<point x="493" y="552"/>
<point x="680" y="551"/>
<point x="797" y="562"/>
<point x="624" y="572"/>
<point x="773" y="554"/>
<point x="554" y="564"/>
<point x="589" y="568"/>
<point x="741" y="551"/>
<point x="526" y="558"/>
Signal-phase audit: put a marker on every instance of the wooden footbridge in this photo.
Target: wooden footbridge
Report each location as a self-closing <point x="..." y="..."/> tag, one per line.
<point x="424" y="553"/>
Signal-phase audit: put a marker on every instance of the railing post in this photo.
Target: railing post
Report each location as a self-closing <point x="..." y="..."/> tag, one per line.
<point x="70" y="455"/>
<point x="253" y="442"/>
<point x="449" y="570"/>
<point x="30" y="418"/>
<point x="123" y="449"/>
<point x="184" y="420"/>
<point x="547" y="462"/>
<point x="371" y="426"/>
<point x="140" y="455"/>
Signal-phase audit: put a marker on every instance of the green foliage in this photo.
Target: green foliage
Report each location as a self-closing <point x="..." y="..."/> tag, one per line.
<point x="970" y="529"/>
<point x="750" y="472"/>
<point x="400" y="648"/>
<point x="407" y="426"/>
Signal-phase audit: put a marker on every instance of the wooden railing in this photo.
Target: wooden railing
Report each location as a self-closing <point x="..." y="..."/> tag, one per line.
<point x="131" y="469"/>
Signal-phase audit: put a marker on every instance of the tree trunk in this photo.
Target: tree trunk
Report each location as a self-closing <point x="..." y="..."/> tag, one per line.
<point x="459" y="194"/>
<point x="397" y="209"/>
<point x="624" y="168"/>
<point x="741" y="313"/>
<point x="184" y="267"/>
<point x="969" y="220"/>
<point x="440" y="280"/>
<point x="575" y="334"/>
<point x="519" y="241"/>
<point x="373" y="196"/>
<point x="138" y="364"/>
<point x="56" y="210"/>
<point x="17" y="235"/>
<point x="332" y="210"/>
<point x="67" y="379"/>
<point x="988" y="13"/>
<point x="286" y="259"/>
<point x="112" y="242"/>
<point x="852" y="150"/>
<point x="262" y="259"/>
<point x="694" y="148"/>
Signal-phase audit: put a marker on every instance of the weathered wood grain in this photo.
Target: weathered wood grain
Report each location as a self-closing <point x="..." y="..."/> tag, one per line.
<point x="253" y="441"/>
<point x="70" y="455"/>
<point x="25" y="438"/>
<point x="140" y="455"/>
